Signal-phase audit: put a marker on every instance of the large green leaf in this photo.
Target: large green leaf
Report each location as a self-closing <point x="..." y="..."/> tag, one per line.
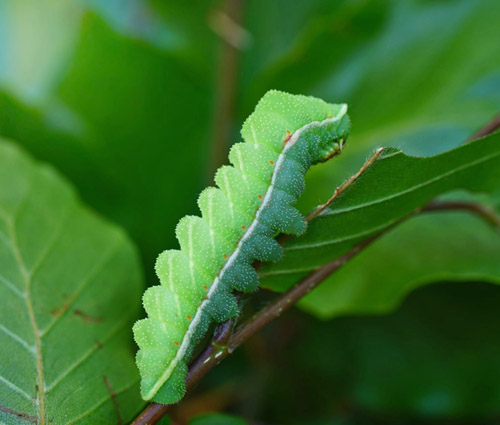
<point x="391" y="188"/>
<point x="70" y="288"/>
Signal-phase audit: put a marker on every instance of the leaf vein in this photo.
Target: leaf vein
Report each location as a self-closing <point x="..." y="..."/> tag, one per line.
<point x="96" y="406"/>
<point x="12" y="287"/>
<point x="83" y="285"/>
<point x="87" y="355"/>
<point x="16" y="388"/>
<point x="18" y="339"/>
<point x="415" y="187"/>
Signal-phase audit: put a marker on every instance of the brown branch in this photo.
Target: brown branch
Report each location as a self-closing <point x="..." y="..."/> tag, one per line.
<point x="489" y="128"/>
<point x="152" y="414"/>
<point x="289" y="298"/>
<point x="155" y="411"/>
<point x="225" y="341"/>
<point x="482" y="211"/>
<point x="212" y="356"/>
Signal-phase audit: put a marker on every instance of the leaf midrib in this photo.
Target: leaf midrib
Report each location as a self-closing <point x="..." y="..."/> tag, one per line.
<point x="40" y="395"/>
<point x="412" y="188"/>
<point x="42" y="390"/>
<point x="10" y="220"/>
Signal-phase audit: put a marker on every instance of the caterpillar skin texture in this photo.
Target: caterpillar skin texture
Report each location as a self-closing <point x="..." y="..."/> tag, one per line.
<point x="240" y="218"/>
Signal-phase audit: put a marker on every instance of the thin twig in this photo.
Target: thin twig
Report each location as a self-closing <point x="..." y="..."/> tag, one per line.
<point x="152" y="414"/>
<point x="289" y="298"/>
<point x="489" y="128"/>
<point x="217" y="350"/>
<point x="155" y="411"/>
<point x="482" y="211"/>
<point x="226" y="341"/>
<point x="210" y="358"/>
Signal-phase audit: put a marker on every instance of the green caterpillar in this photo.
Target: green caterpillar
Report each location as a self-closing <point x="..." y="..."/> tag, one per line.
<point x="284" y="136"/>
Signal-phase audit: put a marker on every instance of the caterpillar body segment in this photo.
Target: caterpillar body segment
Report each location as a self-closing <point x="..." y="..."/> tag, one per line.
<point x="240" y="218"/>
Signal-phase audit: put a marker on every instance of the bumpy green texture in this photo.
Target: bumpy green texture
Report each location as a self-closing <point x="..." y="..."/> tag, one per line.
<point x="254" y="201"/>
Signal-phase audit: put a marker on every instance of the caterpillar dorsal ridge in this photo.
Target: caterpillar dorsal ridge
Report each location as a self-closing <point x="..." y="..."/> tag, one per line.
<point x="253" y="203"/>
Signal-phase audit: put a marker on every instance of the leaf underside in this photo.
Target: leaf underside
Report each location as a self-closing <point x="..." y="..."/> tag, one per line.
<point x="70" y="285"/>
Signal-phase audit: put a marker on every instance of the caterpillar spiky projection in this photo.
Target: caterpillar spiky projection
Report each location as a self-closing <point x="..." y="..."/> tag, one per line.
<point x="240" y="219"/>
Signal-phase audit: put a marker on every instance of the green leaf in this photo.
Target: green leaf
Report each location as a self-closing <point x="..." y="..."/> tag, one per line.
<point x="391" y="188"/>
<point x="70" y="286"/>
<point x="217" y="419"/>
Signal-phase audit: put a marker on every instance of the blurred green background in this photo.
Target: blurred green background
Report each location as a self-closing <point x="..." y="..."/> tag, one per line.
<point x="137" y="102"/>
